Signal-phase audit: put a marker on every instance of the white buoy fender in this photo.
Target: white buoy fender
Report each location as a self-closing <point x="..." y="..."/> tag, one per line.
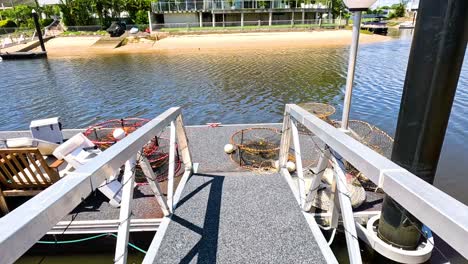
<point x="229" y="148"/>
<point x="291" y="166"/>
<point x="118" y="133"/>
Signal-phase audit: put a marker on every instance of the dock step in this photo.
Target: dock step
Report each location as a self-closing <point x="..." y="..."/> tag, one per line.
<point x="238" y="217"/>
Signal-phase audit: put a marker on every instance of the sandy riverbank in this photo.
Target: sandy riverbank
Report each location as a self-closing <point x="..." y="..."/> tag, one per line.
<point x="83" y="46"/>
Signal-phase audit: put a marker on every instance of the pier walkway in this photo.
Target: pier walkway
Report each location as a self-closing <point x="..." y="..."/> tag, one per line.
<point x="238" y="217"/>
<point x="227" y="214"/>
<point x="220" y="212"/>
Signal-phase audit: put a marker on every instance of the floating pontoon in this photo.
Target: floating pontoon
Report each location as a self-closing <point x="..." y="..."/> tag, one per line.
<point x="220" y="212"/>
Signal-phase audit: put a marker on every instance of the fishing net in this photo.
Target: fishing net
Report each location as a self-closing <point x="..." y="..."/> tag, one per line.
<point x="156" y="151"/>
<point x="101" y="134"/>
<point x="159" y="160"/>
<point x="322" y="111"/>
<point x="374" y="138"/>
<point x="370" y="135"/>
<point x="256" y="148"/>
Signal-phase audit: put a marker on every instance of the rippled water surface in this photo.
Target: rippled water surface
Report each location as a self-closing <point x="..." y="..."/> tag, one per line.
<point x="228" y="87"/>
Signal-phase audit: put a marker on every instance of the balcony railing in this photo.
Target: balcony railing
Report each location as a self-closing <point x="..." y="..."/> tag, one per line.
<point x="189" y="5"/>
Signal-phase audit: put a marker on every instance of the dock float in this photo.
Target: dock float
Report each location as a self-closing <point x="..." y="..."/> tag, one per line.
<point x="216" y="211"/>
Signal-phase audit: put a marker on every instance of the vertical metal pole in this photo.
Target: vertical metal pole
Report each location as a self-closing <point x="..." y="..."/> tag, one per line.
<point x="38" y="29"/>
<point x="150" y="22"/>
<point x="434" y="65"/>
<point x="351" y="68"/>
<point x="201" y="19"/>
<point x="214" y="18"/>
<point x="270" y="18"/>
<point x="339" y="20"/>
<point x="242" y="19"/>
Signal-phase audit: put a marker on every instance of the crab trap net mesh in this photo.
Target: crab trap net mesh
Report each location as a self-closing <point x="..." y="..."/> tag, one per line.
<point x="256" y="148"/>
<point x="370" y="135"/>
<point x="158" y="156"/>
<point x="101" y="134"/>
<point x="156" y="151"/>
<point x="374" y="138"/>
<point x="322" y="111"/>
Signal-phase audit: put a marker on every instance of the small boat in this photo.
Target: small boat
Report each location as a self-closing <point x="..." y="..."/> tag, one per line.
<point x="377" y="26"/>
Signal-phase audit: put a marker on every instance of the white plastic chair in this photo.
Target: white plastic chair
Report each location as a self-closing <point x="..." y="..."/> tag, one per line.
<point x="76" y="152"/>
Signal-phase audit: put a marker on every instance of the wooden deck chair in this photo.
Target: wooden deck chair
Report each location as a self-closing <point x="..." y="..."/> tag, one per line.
<point x="79" y="150"/>
<point x="24" y="172"/>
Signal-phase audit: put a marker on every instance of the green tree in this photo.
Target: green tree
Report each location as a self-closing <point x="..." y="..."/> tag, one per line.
<point x="398" y="10"/>
<point x="336" y="6"/>
<point x="77" y="12"/>
<point x="135" y="6"/>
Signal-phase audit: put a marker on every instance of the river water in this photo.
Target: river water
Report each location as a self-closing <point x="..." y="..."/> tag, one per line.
<point x="229" y="87"/>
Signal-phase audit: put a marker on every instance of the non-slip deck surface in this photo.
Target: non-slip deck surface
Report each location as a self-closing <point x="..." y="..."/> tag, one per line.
<point x="238" y="217"/>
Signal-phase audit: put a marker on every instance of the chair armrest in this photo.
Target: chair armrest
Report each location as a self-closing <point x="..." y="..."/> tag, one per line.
<point x="56" y="164"/>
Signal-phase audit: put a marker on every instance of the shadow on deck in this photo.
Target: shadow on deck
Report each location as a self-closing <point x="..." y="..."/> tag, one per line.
<point x="238" y="217"/>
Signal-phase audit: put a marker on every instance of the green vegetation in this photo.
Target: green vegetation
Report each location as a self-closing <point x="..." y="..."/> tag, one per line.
<point x="366" y="32"/>
<point x="46" y="22"/>
<point x="7" y="24"/>
<point x="392" y="23"/>
<point x="21" y="15"/>
<point x="398" y="11"/>
<point x="85" y="33"/>
<point x="82" y="12"/>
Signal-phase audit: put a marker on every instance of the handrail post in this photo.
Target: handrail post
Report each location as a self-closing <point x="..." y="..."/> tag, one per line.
<point x="125" y="212"/>
<point x="346" y="211"/>
<point x="183" y="143"/>
<point x="170" y="181"/>
<point x="318" y="171"/>
<point x="285" y="139"/>
<point x="154" y="185"/>
<point x="298" y="156"/>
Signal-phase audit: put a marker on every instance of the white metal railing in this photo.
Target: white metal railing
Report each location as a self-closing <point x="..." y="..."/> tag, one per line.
<point x="197" y="5"/>
<point x="258" y="25"/>
<point x="24" y="226"/>
<point x="444" y="215"/>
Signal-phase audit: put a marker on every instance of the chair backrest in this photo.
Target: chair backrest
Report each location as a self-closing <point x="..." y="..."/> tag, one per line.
<point x="24" y="168"/>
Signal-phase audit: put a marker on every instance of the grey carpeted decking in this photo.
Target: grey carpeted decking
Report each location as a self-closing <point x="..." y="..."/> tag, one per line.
<point x="238" y="217"/>
<point x="207" y="148"/>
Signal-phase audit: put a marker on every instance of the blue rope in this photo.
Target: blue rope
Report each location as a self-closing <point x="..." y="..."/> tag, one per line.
<point x="86" y="239"/>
